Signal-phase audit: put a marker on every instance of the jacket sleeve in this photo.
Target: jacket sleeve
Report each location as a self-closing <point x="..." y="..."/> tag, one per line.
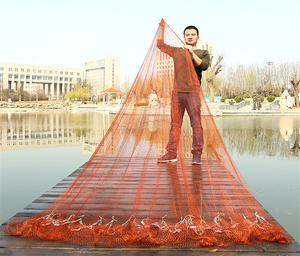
<point x="160" y="41"/>
<point x="205" y="61"/>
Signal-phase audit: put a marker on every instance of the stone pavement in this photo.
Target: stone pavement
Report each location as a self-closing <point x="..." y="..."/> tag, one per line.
<point x="216" y="110"/>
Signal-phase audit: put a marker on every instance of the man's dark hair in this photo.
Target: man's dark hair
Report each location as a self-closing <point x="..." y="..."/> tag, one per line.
<point x="191" y="27"/>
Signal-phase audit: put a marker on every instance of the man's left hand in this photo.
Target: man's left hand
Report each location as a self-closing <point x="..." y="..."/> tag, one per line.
<point x="189" y="47"/>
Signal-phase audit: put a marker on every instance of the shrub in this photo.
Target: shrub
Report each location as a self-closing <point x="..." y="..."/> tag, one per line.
<point x="245" y="96"/>
<point x="271" y="98"/>
<point x="223" y="99"/>
<point x="237" y="99"/>
<point x="262" y="98"/>
<point x="230" y="97"/>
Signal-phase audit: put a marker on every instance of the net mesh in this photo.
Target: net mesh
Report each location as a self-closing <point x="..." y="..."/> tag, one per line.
<point x="124" y="197"/>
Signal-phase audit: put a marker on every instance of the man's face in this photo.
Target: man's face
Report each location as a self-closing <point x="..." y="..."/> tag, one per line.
<point x="191" y="37"/>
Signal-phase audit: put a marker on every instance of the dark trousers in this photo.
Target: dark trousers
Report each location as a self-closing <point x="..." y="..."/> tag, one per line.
<point x="181" y="102"/>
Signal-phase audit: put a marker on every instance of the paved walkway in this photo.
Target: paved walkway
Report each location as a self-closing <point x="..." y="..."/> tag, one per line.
<point x="114" y="108"/>
<point x="214" y="108"/>
<point x="14" y="245"/>
<point x="247" y="110"/>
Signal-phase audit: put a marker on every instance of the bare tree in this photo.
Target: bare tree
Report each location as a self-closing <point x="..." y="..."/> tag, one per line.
<point x="238" y="80"/>
<point x="126" y="85"/>
<point x="295" y="80"/>
<point x="249" y="80"/>
<point x="268" y="78"/>
<point x="227" y="81"/>
<point x="283" y="76"/>
<point x="213" y="71"/>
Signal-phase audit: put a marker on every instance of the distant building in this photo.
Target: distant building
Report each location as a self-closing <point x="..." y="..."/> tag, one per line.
<point x="209" y="46"/>
<point x="53" y="81"/>
<point x="102" y="73"/>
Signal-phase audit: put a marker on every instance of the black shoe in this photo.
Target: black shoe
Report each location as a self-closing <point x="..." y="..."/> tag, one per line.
<point x="196" y="159"/>
<point x="167" y="158"/>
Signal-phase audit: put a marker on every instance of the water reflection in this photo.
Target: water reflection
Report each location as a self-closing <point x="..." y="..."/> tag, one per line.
<point x="268" y="135"/>
<point x="19" y="131"/>
<point x="246" y="135"/>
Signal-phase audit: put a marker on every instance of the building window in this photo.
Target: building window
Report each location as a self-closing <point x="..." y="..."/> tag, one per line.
<point x="50" y="78"/>
<point x="22" y="69"/>
<point x="9" y="69"/>
<point x="66" y="79"/>
<point x="90" y="64"/>
<point x="71" y="73"/>
<point x="33" y="77"/>
<point x="78" y="74"/>
<point x="16" y="76"/>
<point x="50" y="71"/>
<point x="60" y="79"/>
<point x="27" y="77"/>
<point x="39" y="78"/>
<point x="1" y="68"/>
<point x="40" y="71"/>
<point x="34" y="70"/>
<point x="9" y="76"/>
<point x="28" y="70"/>
<point x="56" y="72"/>
<point x="45" y="71"/>
<point x="66" y="73"/>
<point x="44" y="78"/>
<point x="22" y="76"/>
<point x="71" y="78"/>
<point x="55" y="78"/>
<point x="16" y="69"/>
<point x="61" y="72"/>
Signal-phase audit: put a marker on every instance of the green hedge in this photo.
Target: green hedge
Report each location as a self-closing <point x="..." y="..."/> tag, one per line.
<point x="271" y="98"/>
<point x="237" y="99"/>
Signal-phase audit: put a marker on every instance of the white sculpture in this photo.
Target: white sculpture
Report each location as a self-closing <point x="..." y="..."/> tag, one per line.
<point x="286" y="100"/>
<point x="153" y="99"/>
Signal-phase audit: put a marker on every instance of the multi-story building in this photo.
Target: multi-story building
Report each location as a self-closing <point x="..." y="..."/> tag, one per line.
<point x="102" y="73"/>
<point x="53" y="81"/>
<point x="209" y="46"/>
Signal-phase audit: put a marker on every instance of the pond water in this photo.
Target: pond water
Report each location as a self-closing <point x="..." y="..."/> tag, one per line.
<point x="39" y="149"/>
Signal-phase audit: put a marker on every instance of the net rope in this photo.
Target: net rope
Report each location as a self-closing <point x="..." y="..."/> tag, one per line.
<point x="124" y="197"/>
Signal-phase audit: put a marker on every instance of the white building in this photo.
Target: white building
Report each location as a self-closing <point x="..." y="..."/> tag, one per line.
<point x="102" y="73"/>
<point x="209" y="46"/>
<point x="53" y="81"/>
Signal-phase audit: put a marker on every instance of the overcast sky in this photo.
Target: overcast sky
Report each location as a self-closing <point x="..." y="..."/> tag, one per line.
<point x="67" y="32"/>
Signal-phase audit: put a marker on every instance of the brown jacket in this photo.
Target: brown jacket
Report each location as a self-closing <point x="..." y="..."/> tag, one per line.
<point x="186" y="80"/>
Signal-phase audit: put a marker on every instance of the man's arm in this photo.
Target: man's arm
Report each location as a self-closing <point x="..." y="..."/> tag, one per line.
<point x="194" y="56"/>
<point x="161" y="35"/>
<point x="205" y="60"/>
<point x="161" y="38"/>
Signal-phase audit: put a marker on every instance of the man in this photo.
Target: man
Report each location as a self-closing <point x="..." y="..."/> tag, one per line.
<point x="189" y="62"/>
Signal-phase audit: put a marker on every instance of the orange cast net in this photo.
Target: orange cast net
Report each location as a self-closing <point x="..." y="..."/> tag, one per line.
<point x="124" y="197"/>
